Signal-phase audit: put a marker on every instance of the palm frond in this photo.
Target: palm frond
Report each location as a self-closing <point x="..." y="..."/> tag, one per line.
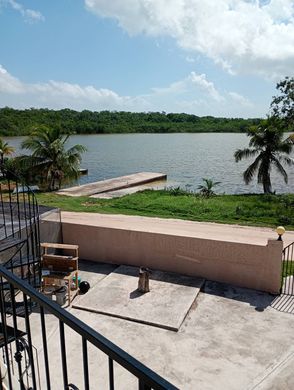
<point x="245" y="153"/>
<point x="285" y="159"/>
<point x="281" y="169"/>
<point x="250" y="171"/>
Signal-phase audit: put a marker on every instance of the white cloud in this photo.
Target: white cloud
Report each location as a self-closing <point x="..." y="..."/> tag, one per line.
<point x="243" y="36"/>
<point x="194" y="82"/>
<point x="190" y="59"/>
<point x="207" y="86"/>
<point x="193" y="94"/>
<point x="9" y="84"/>
<point x="240" y="99"/>
<point x="58" y="94"/>
<point x="28" y="14"/>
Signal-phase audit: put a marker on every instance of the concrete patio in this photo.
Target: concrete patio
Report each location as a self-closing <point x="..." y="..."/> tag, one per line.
<point x="232" y="338"/>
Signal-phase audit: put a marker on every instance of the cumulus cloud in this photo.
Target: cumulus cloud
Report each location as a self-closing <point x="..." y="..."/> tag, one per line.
<point x="59" y="94"/>
<point x="240" y="99"/>
<point x="243" y="36"/>
<point x="28" y="14"/>
<point x="193" y="94"/>
<point x="194" y="82"/>
<point x="208" y="86"/>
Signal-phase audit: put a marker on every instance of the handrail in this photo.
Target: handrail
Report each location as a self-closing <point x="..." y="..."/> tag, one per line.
<point x="20" y="214"/>
<point x="288" y="246"/>
<point x="148" y="377"/>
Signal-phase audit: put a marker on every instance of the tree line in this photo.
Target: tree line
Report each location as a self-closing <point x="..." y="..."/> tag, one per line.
<point x="22" y="122"/>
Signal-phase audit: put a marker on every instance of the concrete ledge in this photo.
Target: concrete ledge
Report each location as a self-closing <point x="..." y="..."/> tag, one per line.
<point x="242" y="264"/>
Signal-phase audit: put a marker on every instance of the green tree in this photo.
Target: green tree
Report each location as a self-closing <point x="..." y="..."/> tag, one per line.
<point x="282" y="105"/>
<point x="5" y="150"/>
<point x="49" y="159"/>
<point x="206" y="189"/>
<point x="267" y="143"/>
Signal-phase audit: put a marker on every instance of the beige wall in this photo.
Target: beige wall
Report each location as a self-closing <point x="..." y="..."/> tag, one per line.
<point x="245" y="265"/>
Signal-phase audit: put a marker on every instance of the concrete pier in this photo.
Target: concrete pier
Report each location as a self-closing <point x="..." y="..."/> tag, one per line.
<point x="114" y="184"/>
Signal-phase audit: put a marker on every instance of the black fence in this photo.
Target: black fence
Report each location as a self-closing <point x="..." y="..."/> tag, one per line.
<point x="22" y="367"/>
<point x="288" y="270"/>
<point x="19" y="228"/>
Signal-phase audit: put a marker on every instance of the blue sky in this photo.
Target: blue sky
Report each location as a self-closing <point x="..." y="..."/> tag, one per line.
<point x="216" y="57"/>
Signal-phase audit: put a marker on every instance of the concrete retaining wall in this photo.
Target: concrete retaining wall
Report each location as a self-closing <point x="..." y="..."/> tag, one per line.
<point x="240" y="264"/>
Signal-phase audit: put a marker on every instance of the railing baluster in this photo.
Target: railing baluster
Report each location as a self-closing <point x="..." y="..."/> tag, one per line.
<point x="3" y="211"/>
<point x="18" y="210"/>
<point x="111" y="376"/>
<point x="45" y="348"/>
<point x="63" y="355"/>
<point x="143" y="386"/>
<point x="30" y="343"/>
<point x="18" y="355"/>
<point x="85" y="364"/>
<point x="4" y="329"/>
<point x="31" y="235"/>
<point x="147" y="379"/>
<point x="288" y="270"/>
<point x="10" y="206"/>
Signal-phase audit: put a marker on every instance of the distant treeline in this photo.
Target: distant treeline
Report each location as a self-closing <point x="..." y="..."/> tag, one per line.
<point x="22" y="122"/>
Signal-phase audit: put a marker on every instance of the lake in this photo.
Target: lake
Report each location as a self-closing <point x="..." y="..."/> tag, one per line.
<point x="185" y="158"/>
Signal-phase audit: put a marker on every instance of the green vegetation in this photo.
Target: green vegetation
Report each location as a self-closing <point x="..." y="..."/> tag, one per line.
<point x="21" y="122"/>
<point x="5" y="150"/>
<point x="267" y="143"/>
<point x="206" y="189"/>
<point x="287" y="268"/>
<point x="258" y="210"/>
<point x="282" y="105"/>
<point x="50" y="163"/>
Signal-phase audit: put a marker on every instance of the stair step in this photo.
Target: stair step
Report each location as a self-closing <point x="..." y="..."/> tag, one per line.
<point x="10" y="242"/>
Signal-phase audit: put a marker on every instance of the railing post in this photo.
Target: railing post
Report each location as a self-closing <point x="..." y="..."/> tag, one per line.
<point x="143" y="386"/>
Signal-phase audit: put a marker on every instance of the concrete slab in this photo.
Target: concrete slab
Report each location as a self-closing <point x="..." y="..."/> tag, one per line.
<point x="131" y="190"/>
<point x="232" y="338"/>
<point x="112" y="184"/>
<point x="165" y="306"/>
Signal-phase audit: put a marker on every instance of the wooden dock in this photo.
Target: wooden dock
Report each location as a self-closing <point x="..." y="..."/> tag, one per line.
<point x="114" y="184"/>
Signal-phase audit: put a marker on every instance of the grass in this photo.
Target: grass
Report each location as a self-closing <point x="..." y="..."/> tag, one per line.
<point x="287" y="268"/>
<point x="251" y="209"/>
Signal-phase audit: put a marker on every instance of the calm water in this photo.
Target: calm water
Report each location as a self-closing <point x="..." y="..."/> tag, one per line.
<point x="185" y="158"/>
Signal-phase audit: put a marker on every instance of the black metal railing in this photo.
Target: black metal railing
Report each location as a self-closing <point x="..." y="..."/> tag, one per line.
<point x="288" y="270"/>
<point x="19" y="228"/>
<point x="36" y="323"/>
<point x="32" y="357"/>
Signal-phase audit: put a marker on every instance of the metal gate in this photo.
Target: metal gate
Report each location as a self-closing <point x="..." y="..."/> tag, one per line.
<point x="288" y="270"/>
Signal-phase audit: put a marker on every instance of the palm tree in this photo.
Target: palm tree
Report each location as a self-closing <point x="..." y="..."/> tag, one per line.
<point x="206" y="189"/>
<point x="5" y="150"/>
<point x="49" y="157"/>
<point x="267" y="143"/>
